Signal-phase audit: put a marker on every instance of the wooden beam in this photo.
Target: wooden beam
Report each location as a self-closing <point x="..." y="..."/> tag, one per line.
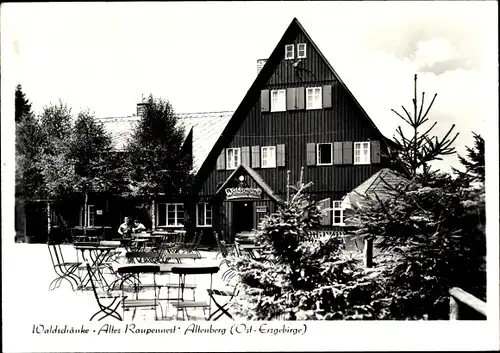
<point x="460" y="296"/>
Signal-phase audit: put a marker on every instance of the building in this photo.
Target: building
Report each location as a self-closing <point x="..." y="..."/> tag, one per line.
<point x="297" y="113"/>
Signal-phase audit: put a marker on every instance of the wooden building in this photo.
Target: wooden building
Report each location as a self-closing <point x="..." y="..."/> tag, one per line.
<point x="297" y="113"/>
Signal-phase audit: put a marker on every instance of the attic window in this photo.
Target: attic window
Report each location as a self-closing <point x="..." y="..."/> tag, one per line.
<point x="301" y="50"/>
<point x="289" y="51"/>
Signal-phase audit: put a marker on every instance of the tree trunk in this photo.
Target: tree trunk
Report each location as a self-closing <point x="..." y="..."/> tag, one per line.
<point x="153" y="215"/>
<point x="48" y="220"/>
<point x="85" y="213"/>
<point x="368" y="253"/>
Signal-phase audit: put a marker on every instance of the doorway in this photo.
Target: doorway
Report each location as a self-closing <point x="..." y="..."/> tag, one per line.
<point x="242" y="216"/>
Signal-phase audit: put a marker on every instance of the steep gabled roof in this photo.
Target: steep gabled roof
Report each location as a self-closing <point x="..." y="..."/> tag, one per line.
<point x="204" y="127"/>
<point x="378" y="184"/>
<point x="254" y="93"/>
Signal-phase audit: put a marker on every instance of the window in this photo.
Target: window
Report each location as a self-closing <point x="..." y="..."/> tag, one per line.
<point x="314" y="98"/>
<point x="338" y="214"/>
<point x="278" y="100"/>
<point x="289" y="51"/>
<point x="90" y="216"/>
<point x="268" y="157"/>
<point x="204" y="215"/>
<point x="170" y="215"/>
<point x="232" y="158"/>
<point x="325" y="154"/>
<point x="361" y="152"/>
<point x="301" y="50"/>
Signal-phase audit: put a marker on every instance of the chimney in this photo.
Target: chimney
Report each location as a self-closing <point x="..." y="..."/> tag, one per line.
<point x="260" y="64"/>
<point x="141" y="108"/>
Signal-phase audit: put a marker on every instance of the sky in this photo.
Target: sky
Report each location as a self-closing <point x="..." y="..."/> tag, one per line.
<point x="201" y="56"/>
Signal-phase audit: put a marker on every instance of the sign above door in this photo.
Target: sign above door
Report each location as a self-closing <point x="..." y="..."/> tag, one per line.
<point x="243" y="193"/>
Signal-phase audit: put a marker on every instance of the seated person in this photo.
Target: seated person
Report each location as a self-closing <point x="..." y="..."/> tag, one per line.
<point x="138" y="227"/>
<point x="125" y="229"/>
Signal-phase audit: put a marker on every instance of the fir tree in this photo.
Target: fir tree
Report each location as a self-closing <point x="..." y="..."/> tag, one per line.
<point x="299" y="279"/>
<point x="415" y="152"/>
<point x="474" y="162"/>
<point x="430" y="231"/>
<point x="22" y="105"/>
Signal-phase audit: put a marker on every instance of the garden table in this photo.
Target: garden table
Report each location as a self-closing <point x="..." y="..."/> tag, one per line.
<point x="252" y="249"/>
<point x="97" y="256"/>
<point x="179" y="257"/>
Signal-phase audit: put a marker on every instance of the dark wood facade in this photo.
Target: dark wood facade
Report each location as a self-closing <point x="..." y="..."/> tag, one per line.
<point x="340" y="121"/>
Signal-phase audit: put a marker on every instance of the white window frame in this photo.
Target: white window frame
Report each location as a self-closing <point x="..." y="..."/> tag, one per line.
<point x="278" y="105"/>
<point x="363" y="158"/>
<point x="289" y="52"/>
<point x="318" y="160"/>
<point x="82" y="215"/>
<point x="270" y="152"/>
<point x="304" y="50"/>
<point x="176" y="224"/>
<point x="203" y="222"/>
<point x="315" y="103"/>
<point x="337" y="207"/>
<point x="232" y="164"/>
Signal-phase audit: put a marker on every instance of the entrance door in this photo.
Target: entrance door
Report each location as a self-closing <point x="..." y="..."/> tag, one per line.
<point x="242" y="216"/>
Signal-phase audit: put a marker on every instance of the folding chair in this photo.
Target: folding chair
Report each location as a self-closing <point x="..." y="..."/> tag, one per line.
<point x="221" y="309"/>
<point x="224" y="249"/>
<point x="181" y="304"/>
<point x="64" y="270"/>
<point x="101" y="293"/>
<point x="134" y="271"/>
<point x="192" y="246"/>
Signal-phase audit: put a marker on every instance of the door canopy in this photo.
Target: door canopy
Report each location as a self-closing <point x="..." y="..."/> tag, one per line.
<point x="246" y="184"/>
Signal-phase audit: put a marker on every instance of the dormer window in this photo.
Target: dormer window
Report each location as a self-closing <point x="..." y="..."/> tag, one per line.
<point x="301" y="50"/>
<point x="289" y="51"/>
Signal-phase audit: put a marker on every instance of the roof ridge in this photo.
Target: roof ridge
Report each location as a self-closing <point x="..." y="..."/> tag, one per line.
<point x="182" y="114"/>
<point x="221" y="111"/>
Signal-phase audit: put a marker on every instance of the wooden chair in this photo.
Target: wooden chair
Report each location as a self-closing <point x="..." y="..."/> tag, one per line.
<point x="64" y="270"/>
<point x="193" y="246"/>
<point x="183" y="305"/>
<point x="134" y="271"/>
<point x="101" y="294"/>
<point x="224" y="249"/>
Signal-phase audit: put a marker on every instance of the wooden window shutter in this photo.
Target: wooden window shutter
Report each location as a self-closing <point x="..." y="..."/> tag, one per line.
<point x="347" y="152"/>
<point x="337" y="153"/>
<point x="280" y="155"/>
<point x="290" y="99"/>
<point x="326" y="218"/>
<point x="245" y="155"/>
<point x="311" y="154"/>
<point x="375" y="151"/>
<point x="264" y="100"/>
<point x="255" y="156"/>
<point x="221" y="161"/>
<point x="327" y="96"/>
<point x="300" y="100"/>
